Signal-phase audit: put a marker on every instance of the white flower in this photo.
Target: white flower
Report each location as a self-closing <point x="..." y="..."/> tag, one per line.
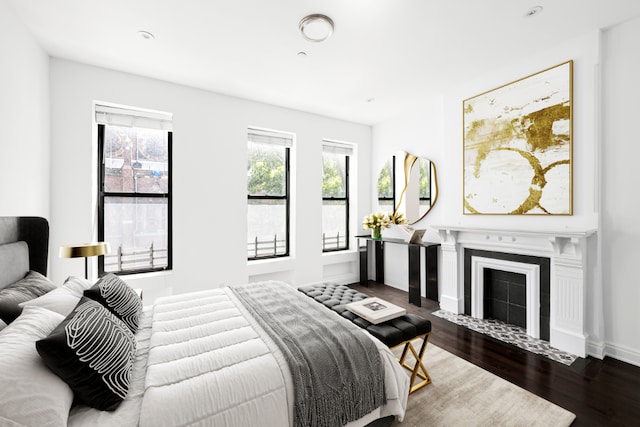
<point x="398" y="218"/>
<point x="376" y="220"/>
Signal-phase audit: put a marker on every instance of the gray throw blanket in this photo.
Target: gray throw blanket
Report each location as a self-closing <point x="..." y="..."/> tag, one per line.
<point x="337" y="372"/>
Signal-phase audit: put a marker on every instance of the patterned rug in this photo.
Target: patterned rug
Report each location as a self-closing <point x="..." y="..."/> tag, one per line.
<point x="510" y="334"/>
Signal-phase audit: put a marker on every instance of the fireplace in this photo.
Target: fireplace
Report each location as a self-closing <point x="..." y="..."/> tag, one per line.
<point x="505" y="296"/>
<point x="509" y="287"/>
<point x="554" y="261"/>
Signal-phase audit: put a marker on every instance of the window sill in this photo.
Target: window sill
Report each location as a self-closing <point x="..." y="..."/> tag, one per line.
<point x="270" y="265"/>
<point x="145" y="275"/>
<point x="339" y="257"/>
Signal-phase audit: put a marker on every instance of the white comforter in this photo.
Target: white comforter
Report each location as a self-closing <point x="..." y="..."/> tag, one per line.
<point x="210" y="364"/>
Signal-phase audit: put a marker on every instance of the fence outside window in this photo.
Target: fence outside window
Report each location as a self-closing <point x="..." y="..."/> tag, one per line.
<point x="266" y="248"/>
<point x="269" y="248"/>
<point x="334" y="243"/>
<point x="135" y="259"/>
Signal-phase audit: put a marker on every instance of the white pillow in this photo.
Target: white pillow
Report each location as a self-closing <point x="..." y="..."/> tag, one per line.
<point x="30" y="394"/>
<point x="2" y="325"/>
<point x="62" y="299"/>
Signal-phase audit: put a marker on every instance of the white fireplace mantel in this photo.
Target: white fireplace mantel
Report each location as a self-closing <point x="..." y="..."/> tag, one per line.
<point x="567" y="251"/>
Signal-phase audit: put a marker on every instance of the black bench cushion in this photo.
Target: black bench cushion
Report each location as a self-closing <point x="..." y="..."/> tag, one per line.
<point x="391" y="332"/>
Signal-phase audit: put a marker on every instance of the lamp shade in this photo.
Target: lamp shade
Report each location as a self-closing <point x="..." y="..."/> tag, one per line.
<point x="84" y="250"/>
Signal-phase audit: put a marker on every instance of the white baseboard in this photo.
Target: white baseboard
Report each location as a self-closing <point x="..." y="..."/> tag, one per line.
<point x="623" y="353"/>
<point x="568" y="341"/>
<point x="596" y="349"/>
<point x="450" y="304"/>
<point x="344" y="279"/>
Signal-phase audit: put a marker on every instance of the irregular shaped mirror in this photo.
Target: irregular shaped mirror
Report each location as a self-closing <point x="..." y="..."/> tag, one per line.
<point x="407" y="184"/>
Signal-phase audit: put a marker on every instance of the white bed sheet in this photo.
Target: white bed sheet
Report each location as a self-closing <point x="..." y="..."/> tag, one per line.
<point x="203" y="360"/>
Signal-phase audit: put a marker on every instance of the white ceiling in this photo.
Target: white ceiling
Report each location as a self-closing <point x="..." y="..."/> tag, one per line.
<point x="395" y="52"/>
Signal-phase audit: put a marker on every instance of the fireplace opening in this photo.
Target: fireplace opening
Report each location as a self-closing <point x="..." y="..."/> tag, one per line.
<point x="499" y="306"/>
<point x="505" y="297"/>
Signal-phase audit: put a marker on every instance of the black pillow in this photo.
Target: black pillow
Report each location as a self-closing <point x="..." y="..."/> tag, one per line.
<point x="119" y="298"/>
<point x="93" y="352"/>
<point x="31" y="286"/>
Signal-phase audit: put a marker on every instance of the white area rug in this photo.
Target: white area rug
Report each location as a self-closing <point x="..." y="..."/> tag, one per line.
<point x="462" y="394"/>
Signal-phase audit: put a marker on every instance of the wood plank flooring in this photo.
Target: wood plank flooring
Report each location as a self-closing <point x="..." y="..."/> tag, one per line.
<point x="600" y="392"/>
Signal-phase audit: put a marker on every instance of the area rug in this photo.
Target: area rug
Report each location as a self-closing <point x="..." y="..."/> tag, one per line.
<point x="462" y="394"/>
<point x="510" y="334"/>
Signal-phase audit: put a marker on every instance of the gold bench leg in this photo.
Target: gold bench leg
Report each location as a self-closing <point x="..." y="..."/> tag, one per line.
<point x="418" y="369"/>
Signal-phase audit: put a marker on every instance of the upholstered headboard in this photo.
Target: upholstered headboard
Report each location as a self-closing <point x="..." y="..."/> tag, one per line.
<point x="24" y="246"/>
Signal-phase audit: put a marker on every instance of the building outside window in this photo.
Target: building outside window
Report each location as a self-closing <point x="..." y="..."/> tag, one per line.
<point x="335" y="195"/>
<point x="268" y="196"/>
<point x="134" y="189"/>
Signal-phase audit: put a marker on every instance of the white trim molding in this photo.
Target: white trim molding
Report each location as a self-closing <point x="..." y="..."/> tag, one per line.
<point x="567" y="251"/>
<point x="532" y="280"/>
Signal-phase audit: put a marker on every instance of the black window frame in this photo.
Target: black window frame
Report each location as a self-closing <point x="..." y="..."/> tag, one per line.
<point x="102" y="194"/>
<point x="287" y="198"/>
<point x="347" y="207"/>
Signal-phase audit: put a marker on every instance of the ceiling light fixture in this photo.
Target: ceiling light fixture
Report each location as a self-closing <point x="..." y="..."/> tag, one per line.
<point x="536" y="10"/>
<point x="316" y="27"/>
<point x="146" y="35"/>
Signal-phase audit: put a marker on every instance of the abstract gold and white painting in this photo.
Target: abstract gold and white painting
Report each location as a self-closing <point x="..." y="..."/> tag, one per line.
<point x="518" y="146"/>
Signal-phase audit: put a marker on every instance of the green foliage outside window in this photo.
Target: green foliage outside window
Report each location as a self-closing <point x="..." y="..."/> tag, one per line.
<point x="384" y="182"/>
<point x="333" y="180"/>
<point x="266" y="171"/>
<point x="424" y="185"/>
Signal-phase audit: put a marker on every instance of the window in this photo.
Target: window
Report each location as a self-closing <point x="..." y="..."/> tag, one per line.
<point x="335" y="196"/>
<point x="387" y="186"/>
<point x="268" y="194"/>
<point x="424" y="187"/>
<point x="134" y="190"/>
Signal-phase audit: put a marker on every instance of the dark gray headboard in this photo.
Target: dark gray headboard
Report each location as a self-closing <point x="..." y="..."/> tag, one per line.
<point x="34" y="231"/>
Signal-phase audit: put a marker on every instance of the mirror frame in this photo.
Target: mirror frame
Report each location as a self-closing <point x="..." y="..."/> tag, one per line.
<point x="409" y="161"/>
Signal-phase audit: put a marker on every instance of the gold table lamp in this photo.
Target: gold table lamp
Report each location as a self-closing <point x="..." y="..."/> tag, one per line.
<point x="84" y="250"/>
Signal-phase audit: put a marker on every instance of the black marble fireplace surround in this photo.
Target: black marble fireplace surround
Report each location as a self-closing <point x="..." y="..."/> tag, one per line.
<point x="545" y="279"/>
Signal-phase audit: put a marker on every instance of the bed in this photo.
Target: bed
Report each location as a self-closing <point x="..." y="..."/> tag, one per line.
<point x="256" y="354"/>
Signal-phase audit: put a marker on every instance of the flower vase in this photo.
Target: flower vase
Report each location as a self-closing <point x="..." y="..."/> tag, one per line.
<point x="376" y="233"/>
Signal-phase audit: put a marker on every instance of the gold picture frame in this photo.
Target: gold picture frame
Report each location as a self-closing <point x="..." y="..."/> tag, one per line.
<point x="517" y="146"/>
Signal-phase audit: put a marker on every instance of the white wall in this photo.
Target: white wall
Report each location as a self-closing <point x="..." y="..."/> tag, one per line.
<point x="209" y="178"/>
<point x="24" y="120"/>
<point x="604" y="164"/>
<point x="420" y="133"/>
<point x="435" y="132"/>
<point x="620" y="201"/>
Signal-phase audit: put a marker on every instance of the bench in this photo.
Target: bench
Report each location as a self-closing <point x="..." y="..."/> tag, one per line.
<point x="403" y="330"/>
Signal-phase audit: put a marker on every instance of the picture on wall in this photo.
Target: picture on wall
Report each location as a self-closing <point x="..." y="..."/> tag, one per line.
<point x="517" y="153"/>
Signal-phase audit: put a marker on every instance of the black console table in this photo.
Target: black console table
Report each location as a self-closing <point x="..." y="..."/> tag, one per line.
<point x="431" y="265"/>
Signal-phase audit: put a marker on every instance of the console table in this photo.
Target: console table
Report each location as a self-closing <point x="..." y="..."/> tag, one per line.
<point x="376" y="246"/>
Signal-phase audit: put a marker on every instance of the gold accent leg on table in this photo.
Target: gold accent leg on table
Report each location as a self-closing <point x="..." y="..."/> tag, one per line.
<point x="418" y="369"/>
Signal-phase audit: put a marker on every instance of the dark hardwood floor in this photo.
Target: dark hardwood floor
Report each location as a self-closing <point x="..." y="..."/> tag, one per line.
<point x="600" y="392"/>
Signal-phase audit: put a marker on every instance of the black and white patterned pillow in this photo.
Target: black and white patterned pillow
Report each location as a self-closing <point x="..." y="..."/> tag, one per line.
<point x="113" y="292"/>
<point x="31" y="286"/>
<point x="92" y="350"/>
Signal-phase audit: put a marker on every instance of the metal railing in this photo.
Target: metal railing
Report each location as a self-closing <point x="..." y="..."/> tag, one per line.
<point x="273" y="247"/>
<point x="136" y="259"/>
<point x="333" y="243"/>
<point x="266" y="248"/>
